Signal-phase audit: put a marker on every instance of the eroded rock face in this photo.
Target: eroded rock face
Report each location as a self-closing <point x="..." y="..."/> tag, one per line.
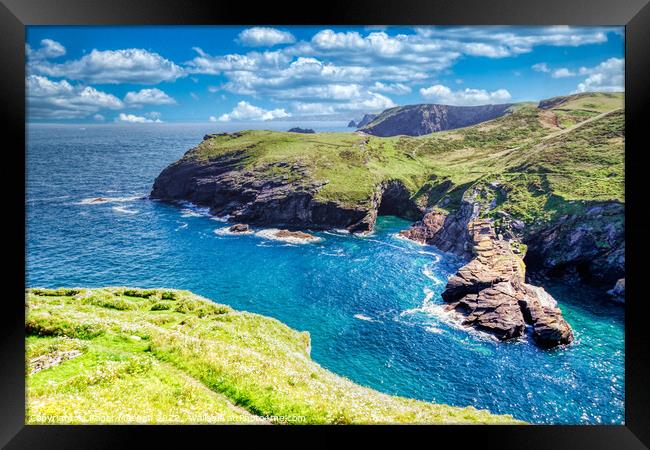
<point x="490" y="291"/>
<point x="284" y="199"/>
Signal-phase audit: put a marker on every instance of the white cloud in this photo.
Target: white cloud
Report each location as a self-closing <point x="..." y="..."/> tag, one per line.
<point x="148" y="97"/>
<point x="264" y="37"/>
<point x="48" y="99"/>
<point x="212" y="119"/>
<point x="394" y="88"/>
<point x="541" y="67"/>
<point x="608" y="76"/>
<point x="468" y="97"/>
<point x="114" y="66"/>
<point x="562" y="72"/>
<point x="99" y="117"/>
<point x="246" y="111"/>
<point x="131" y="118"/>
<point x="48" y="49"/>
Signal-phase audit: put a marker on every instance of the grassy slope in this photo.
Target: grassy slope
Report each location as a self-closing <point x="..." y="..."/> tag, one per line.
<point x="164" y="356"/>
<point x="544" y="157"/>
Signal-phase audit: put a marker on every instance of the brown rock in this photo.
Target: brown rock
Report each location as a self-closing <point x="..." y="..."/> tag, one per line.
<point x="294" y="234"/>
<point x="239" y="228"/>
<point x="490" y="291"/>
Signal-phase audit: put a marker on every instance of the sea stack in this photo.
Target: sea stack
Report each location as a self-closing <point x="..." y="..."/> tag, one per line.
<point x="491" y="293"/>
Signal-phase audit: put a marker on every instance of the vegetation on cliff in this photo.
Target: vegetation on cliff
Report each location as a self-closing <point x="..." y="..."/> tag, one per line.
<point x="544" y="158"/>
<point x="119" y="355"/>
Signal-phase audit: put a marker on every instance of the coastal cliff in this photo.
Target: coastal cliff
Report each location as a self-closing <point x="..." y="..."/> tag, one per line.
<point x="548" y="176"/>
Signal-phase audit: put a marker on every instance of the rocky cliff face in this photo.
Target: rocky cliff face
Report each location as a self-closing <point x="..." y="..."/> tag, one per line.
<point x="586" y="246"/>
<point x="490" y="291"/>
<point x="416" y="120"/>
<point x="245" y="197"/>
<point x="276" y="194"/>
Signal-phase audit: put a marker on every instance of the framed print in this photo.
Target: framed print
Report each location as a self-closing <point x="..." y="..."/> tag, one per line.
<point x="408" y="216"/>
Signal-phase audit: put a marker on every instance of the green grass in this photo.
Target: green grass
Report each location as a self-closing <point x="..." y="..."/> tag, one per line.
<point x="191" y="361"/>
<point x="574" y="151"/>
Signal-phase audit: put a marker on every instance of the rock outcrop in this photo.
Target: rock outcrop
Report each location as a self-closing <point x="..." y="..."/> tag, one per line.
<point x="416" y="120"/>
<point x="239" y="228"/>
<point x="491" y="293"/>
<point x="301" y="130"/>
<point x="587" y="247"/>
<point x="618" y="291"/>
<point x="245" y="196"/>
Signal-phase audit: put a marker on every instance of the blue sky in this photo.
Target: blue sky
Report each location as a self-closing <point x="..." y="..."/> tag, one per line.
<point x="235" y="73"/>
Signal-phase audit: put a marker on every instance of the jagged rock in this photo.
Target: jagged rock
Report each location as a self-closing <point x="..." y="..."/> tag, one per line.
<point x="239" y="228"/>
<point x="618" y="291"/>
<point x="352" y="124"/>
<point x="586" y="246"/>
<point x="490" y="291"/>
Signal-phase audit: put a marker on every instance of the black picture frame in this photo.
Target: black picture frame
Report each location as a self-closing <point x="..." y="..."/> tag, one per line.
<point x="633" y="14"/>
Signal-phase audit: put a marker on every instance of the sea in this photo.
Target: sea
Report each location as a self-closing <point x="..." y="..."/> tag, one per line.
<point x="371" y="304"/>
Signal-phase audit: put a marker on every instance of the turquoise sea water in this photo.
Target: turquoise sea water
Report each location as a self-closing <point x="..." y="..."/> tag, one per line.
<point x="371" y="304"/>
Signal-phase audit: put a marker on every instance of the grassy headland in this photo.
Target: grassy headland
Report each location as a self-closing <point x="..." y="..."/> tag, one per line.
<point x="547" y="160"/>
<point x="118" y="355"/>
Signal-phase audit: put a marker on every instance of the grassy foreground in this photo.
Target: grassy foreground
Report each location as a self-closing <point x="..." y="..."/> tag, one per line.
<point x="119" y="355"/>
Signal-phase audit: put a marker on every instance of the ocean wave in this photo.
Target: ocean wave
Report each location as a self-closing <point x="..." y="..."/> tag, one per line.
<point x="195" y="211"/>
<point x="364" y="318"/>
<point x="427" y="272"/>
<point x="225" y="218"/>
<point x="101" y="200"/>
<point x="124" y="210"/>
<point x="225" y="231"/>
<point x="449" y="317"/>
<point x="270" y="233"/>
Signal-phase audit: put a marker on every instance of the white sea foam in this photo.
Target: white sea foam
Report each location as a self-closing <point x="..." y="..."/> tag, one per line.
<point x="271" y="233"/>
<point x="427" y="272"/>
<point x="364" y="318"/>
<point x="434" y="330"/>
<point x="221" y="219"/>
<point x="435" y="255"/>
<point x="100" y="200"/>
<point x="124" y="210"/>
<point x="441" y="314"/>
<point x="225" y="231"/>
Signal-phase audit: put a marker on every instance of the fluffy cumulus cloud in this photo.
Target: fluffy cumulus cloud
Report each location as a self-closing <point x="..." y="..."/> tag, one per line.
<point x="332" y="71"/>
<point x="467" y="97"/>
<point x="50" y="99"/>
<point x="563" y="72"/>
<point x="608" y="76"/>
<point x="113" y="66"/>
<point x="148" y="97"/>
<point x="394" y="88"/>
<point x="264" y="37"/>
<point x="246" y="111"/>
<point x="132" y="118"/>
<point x="48" y="49"/>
